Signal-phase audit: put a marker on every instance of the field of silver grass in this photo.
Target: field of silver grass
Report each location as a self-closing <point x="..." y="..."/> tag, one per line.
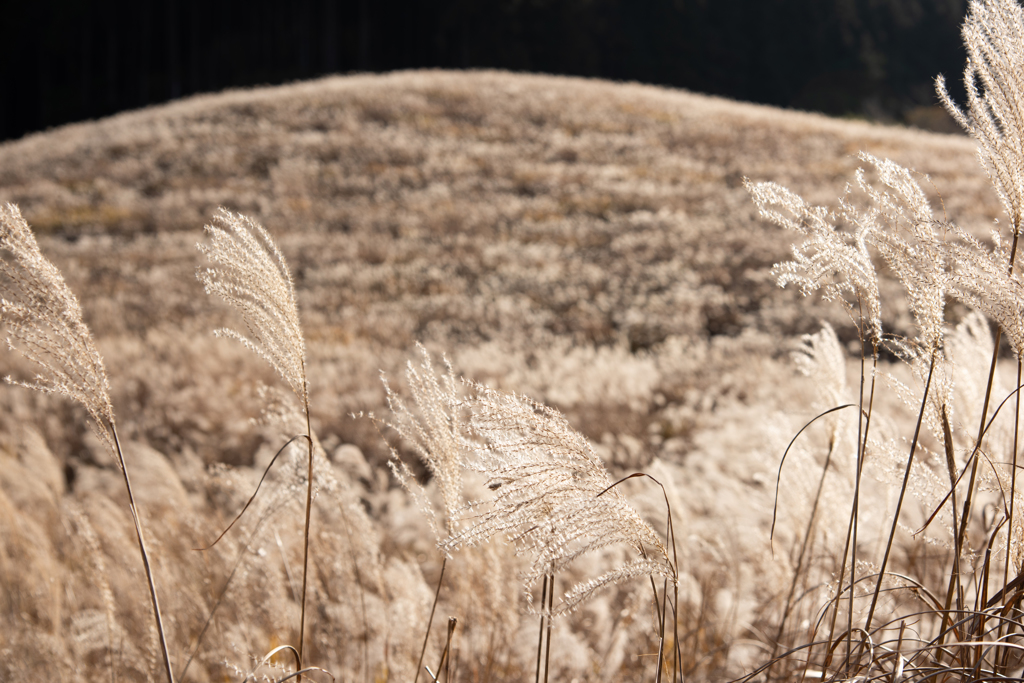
<point x="586" y="245"/>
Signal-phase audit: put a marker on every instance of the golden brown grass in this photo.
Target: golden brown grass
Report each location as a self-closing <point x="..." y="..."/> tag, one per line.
<point x="584" y="243"/>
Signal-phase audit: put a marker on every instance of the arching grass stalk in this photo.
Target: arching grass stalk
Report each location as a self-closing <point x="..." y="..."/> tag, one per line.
<point x="234" y="568"/>
<point x="670" y="539"/>
<point x="804" y="547"/>
<point x="782" y="462"/>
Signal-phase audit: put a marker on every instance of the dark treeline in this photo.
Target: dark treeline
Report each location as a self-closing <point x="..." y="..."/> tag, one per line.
<point x="67" y="60"/>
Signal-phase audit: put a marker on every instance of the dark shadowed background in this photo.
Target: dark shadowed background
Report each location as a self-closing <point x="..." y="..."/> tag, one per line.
<point x="68" y="60"/>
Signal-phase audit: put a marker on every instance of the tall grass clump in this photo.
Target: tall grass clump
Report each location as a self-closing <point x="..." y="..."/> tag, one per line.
<point x="956" y="615"/>
<point x="540" y="487"/>
<point x="44" y="324"/>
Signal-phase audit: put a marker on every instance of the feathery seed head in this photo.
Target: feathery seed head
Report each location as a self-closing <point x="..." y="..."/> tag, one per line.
<point x="250" y="273"/>
<point x="550" y="495"/>
<point x="982" y="280"/>
<point x="44" y="324"/>
<point x="436" y="433"/>
<point x="994" y="35"/>
<point x="834" y="260"/>
<point x="837" y="255"/>
<point x="900" y="225"/>
<point x="821" y="357"/>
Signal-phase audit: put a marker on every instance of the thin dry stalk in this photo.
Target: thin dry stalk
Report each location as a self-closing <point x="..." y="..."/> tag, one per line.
<point x="448" y="649"/>
<point x="305" y="528"/>
<point x="547" y="642"/>
<point x="430" y="621"/>
<point x="445" y="654"/>
<point x="145" y="557"/>
<point x="540" y="636"/>
<point x="863" y="432"/>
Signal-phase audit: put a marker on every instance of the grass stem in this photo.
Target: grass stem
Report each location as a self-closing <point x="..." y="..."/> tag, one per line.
<point x="305" y="531"/>
<point x="145" y="557"/>
<point x="540" y="638"/>
<point x="430" y="621"/>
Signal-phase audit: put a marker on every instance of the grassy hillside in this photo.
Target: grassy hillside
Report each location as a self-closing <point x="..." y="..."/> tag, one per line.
<point x="586" y="243"/>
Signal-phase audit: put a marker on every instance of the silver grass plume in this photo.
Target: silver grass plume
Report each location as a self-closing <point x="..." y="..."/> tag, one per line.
<point x="435" y="431"/>
<point x="552" y="496"/>
<point x="44" y="324"/>
<point x="981" y="280"/>
<point x="821" y="357"/>
<point x="906" y="234"/>
<point x="993" y="35"/>
<point x="836" y="261"/>
<point x="899" y="223"/>
<point x="250" y="273"/>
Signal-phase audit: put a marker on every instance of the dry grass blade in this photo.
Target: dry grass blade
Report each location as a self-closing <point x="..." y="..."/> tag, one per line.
<point x="785" y="454"/>
<point x="301" y="672"/>
<point x="252" y="498"/>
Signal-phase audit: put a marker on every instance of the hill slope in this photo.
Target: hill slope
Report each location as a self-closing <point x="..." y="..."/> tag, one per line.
<point x="459" y="208"/>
